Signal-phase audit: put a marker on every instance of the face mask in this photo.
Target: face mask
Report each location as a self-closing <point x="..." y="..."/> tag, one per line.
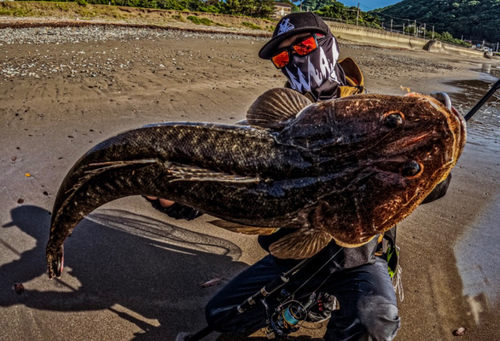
<point x="317" y="73"/>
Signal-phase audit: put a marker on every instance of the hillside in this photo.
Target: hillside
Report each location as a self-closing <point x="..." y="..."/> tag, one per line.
<point x="60" y="11"/>
<point x="474" y="20"/>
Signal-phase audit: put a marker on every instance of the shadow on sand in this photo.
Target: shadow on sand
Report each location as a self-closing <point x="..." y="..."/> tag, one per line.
<point x="119" y="259"/>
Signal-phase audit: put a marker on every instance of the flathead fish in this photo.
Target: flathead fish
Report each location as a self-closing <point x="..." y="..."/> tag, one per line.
<point x="346" y="169"/>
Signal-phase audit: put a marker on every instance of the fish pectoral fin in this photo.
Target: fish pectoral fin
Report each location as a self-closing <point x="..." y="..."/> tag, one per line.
<point x="193" y="173"/>
<point x="242" y="123"/>
<point x="300" y="244"/>
<point x="275" y="107"/>
<point x="243" y="229"/>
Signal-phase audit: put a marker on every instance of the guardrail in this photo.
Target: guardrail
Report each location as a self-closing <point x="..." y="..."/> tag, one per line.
<point x="493" y="46"/>
<point x="378" y="36"/>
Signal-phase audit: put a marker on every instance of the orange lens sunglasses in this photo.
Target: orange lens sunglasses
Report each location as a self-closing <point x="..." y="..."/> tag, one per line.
<point x="301" y="47"/>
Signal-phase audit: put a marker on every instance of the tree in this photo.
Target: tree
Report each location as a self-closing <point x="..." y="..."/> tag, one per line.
<point x="313" y="5"/>
<point x="472" y="19"/>
<point x="349" y="15"/>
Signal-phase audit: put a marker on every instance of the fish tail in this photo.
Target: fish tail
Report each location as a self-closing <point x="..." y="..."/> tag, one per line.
<point x="85" y="186"/>
<point x="55" y="261"/>
<point x="151" y="161"/>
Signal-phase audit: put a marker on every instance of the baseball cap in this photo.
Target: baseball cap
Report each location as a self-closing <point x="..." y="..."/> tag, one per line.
<point x="290" y="25"/>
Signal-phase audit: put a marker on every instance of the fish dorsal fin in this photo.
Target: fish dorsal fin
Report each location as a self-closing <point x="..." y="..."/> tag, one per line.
<point x="275" y="107"/>
<point x="301" y="244"/>
<point x="243" y="229"/>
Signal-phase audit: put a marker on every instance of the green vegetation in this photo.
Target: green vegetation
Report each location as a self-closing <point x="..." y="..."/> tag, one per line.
<point x="314" y="5"/>
<point x="472" y="20"/>
<point x="348" y="15"/>
<point x="198" y="21"/>
<point x="85" y="11"/>
<point x="252" y="26"/>
<point x="178" y="17"/>
<point x="15" y="12"/>
<point x="250" y="8"/>
<point x="57" y="9"/>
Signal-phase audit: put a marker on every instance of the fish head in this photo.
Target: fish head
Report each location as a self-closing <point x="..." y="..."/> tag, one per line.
<point x="390" y="153"/>
<point x="355" y="123"/>
<point x="427" y="136"/>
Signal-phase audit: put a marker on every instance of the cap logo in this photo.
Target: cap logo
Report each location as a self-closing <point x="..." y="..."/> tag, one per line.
<point x="285" y="26"/>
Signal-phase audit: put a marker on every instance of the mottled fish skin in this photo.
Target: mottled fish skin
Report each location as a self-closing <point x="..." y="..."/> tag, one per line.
<point x="215" y="168"/>
<point x="429" y="135"/>
<point x="345" y="169"/>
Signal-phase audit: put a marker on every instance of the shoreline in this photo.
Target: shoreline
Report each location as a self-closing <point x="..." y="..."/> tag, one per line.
<point x="87" y="91"/>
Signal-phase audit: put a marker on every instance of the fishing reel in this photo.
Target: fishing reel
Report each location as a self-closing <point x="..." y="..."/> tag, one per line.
<point x="287" y="316"/>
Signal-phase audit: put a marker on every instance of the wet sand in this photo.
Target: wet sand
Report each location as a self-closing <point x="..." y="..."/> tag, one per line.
<point x="133" y="273"/>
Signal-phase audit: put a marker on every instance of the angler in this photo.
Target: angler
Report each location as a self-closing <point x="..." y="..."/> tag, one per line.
<point x="319" y="174"/>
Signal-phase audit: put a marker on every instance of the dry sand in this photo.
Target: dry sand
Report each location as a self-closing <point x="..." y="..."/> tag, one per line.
<point x="133" y="273"/>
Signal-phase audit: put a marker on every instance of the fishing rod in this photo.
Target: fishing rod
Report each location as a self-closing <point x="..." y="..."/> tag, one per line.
<point x="267" y="290"/>
<point x="483" y="100"/>
<point x="288" y="316"/>
<point x="282" y="280"/>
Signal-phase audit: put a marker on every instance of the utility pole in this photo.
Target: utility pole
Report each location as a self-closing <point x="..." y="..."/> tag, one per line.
<point x="404" y="28"/>
<point x="497" y="47"/>
<point x="425" y="26"/>
<point x="357" y="15"/>
<point x="415" y="27"/>
<point x="433" y="32"/>
<point x="391" y="25"/>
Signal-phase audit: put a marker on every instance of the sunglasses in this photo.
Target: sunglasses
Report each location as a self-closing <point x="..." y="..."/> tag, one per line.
<point x="302" y="47"/>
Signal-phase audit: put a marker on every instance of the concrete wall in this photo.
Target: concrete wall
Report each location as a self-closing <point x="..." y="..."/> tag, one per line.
<point x="385" y="38"/>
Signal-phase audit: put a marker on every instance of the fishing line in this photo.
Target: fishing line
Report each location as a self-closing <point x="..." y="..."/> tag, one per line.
<point x="483" y="100"/>
<point x="327" y="277"/>
<point x="319" y="286"/>
<point x="289" y="315"/>
<point x="492" y="104"/>
<point x="317" y="271"/>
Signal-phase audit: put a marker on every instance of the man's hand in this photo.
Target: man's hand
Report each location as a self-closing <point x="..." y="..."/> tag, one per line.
<point x="173" y="209"/>
<point x="163" y="202"/>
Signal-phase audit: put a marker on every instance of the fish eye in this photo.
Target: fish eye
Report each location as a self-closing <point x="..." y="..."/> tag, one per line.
<point x="412" y="169"/>
<point x="394" y="119"/>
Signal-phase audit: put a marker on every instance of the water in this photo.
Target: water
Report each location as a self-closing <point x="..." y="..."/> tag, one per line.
<point x="484" y="127"/>
<point x="477" y="250"/>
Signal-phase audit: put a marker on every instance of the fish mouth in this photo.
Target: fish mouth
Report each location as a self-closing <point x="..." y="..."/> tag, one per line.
<point x="460" y="129"/>
<point x="443" y="98"/>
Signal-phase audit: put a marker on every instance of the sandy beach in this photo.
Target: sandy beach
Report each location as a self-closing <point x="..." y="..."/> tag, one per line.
<point x="134" y="274"/>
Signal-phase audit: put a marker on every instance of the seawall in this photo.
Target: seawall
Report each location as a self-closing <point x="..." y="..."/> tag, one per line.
<point x="385" y="38"/>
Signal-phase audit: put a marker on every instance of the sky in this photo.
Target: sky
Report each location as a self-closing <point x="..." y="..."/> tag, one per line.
<point x="368" y="5"/>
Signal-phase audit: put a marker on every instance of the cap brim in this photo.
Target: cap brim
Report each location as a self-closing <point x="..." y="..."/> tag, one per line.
<point x="267" y="51"/>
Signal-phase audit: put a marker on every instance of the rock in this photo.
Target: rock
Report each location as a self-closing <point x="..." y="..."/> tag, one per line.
<point x="19" y="288"/>
<point x="460" y="331"/>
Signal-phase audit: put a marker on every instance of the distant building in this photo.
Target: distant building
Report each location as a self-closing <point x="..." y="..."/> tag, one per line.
<point x="281" y="9"/>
